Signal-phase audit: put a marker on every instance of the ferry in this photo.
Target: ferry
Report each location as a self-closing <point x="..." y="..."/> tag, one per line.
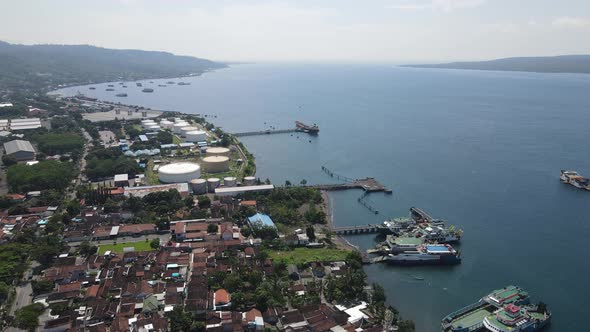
<point x="430" y="254"/>
<point x="515" y="318"/>
<point x="147" y="90"/>
<point x="471" y="318"/>
<point x="575" y="179"/>
<point x="432" y="230"/>
<point x="121" y="95"/>
<point x="306" y="128"/>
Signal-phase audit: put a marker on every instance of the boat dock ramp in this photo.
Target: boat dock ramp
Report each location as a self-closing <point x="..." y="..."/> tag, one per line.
<point x="359" y="229"/>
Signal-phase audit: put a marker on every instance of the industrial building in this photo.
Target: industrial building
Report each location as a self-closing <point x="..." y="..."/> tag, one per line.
<point x="179" y="172"/>
<point x="261" y="220"/>
<point x="25" y="124"/>
<point x="140" y="192"/>
<point x="233" y="191"/>
<point x="21" y="150"/>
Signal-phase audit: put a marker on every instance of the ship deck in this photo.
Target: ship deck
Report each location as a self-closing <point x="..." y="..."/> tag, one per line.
<point x="472" y="318"/>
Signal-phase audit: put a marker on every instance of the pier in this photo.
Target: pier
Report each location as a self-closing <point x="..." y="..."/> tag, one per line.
<point x="420" y="216"/>
<point x="266" y="132"/>
<point x="359" y="229"/>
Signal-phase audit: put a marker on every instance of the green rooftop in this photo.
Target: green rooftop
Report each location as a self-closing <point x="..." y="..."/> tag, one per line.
<point x="407" y="241"/>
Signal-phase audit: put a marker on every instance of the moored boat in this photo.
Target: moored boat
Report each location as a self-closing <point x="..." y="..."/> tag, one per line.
<point x="147" y="90"/>
<point x="121" y="95"/>
<point x="430" y="254"/>
<point x="471" y="318"/>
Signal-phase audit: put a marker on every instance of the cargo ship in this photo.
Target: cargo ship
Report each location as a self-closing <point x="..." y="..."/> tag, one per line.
<point x="147" y="90"/>
<point x="575" y="179"/>
<point x="430" y="254"/>
<point x="306" y="128"/>
<point x="471" y="318"/>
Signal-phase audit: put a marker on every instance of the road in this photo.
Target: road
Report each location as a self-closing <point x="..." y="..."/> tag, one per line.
<point x="82" y="164"/>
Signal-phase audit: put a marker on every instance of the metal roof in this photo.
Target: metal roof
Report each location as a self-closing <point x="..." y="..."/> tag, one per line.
<point x="18" y="145"/>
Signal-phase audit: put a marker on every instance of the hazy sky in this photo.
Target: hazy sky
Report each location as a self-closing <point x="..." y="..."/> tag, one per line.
<point x="309" y="30"/>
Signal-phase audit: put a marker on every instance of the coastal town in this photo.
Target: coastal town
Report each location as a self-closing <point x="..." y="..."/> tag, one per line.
<point x="121" y="218"/>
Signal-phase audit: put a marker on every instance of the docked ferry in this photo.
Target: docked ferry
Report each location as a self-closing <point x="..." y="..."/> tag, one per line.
<point x="575" y="179"/>
<point x="431" y="254"/>
<point x="471" y="318"/>
<point x="515" y="318"/>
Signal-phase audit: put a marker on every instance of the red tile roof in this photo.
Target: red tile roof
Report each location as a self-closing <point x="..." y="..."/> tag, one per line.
<point x="221" y="297"/>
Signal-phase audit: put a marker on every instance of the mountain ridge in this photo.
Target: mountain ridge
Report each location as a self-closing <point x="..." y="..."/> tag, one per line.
<point x="572" y="63"/>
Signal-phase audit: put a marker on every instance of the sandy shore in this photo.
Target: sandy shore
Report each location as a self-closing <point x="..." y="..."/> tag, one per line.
<point x="340" y="242"/>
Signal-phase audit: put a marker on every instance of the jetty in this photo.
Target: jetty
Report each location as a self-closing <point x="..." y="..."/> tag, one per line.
<point x="367" y="184"/>
<point x="266" y="132"/>
<point x="358" y="229"/>
<point x="420" y="216"/>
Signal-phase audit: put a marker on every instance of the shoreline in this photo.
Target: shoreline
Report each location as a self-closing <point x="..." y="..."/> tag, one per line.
<point x="339" y="241"/>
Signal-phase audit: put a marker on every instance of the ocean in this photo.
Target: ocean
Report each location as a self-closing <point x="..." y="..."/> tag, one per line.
<point x="480" y="149"/>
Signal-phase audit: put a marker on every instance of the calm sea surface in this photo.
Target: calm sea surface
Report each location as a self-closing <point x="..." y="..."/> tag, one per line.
<point x="482" y="150"/>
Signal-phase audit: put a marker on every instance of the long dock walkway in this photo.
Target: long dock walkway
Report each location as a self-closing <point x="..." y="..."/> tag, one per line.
<point x="358" y="229"/>
<point x="266" y="132"/>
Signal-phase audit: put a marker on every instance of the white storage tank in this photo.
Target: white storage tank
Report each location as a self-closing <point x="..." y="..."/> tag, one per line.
<point x="166" y="124"/>
<point x="249" y="181"/>
<point x="218" y="151"/>
<point x="148" y="124"/>
<point x="229" y="181"/>
<point x="154" y="128"/>
<point x="184" y="130"/>
<point x="195" y="136"/>
<point x="178" y="126"/>
<point x="199" y="186"/>
<point x="179" y="172"/>
<point x="216" y="164"/>
<point x="212" y="184"/>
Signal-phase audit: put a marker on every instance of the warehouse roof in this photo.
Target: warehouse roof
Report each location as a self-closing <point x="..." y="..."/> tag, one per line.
<point x="18" y="145"/>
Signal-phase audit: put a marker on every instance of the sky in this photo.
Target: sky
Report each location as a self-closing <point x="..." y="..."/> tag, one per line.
<point x="339" y="31"/>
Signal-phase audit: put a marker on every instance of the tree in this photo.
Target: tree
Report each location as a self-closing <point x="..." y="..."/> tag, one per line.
<point x="310" y="231"/>
<point x="9" y="160"/>
<point x="303" y="182"/>
<point x="180" y="320"/>
<point x="86" y="249"/>
<point x="73" y="208"/>
<point x="27" y="318"/>
<point x="189" y="202"/>
<point x="287" y="183"/>
<point x="155" y="243"/>
<point x="204" y="202"/>
<point x="212" y="228"/>
<point x="42" y="286"/>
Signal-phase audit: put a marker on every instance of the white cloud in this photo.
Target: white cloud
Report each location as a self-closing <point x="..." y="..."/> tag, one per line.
<point x="440" y="5"/>
<point x="571" y="22"/>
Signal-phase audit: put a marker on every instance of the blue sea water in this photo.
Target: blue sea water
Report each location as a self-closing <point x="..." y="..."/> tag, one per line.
<point x="480" y="149"/>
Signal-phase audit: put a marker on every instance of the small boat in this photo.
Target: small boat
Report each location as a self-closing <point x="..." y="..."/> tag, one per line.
<point x="418" y="278"/>
<point x="92" y="88"/>
<point x="124" y="86"/>
<point x="147" y="90"/>
<point x="183" y="83"/>
<point x="138" y="84"/>
<point x="121" y="95"/>
<point x="170" y="82"/>
<point x="110" y="85"/>
<point x="109" y="89"/>
<point x="162" y="85"/>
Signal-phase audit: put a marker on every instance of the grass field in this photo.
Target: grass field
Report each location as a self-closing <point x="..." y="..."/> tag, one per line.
<point x="118" y="248"/>
<point x="300" y="256"/>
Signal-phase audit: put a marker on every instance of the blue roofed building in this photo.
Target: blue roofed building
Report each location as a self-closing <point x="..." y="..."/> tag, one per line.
<point x="261" y="220"/>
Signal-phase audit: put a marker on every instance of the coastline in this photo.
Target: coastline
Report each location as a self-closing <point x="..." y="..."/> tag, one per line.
<point x="339" y="241"/>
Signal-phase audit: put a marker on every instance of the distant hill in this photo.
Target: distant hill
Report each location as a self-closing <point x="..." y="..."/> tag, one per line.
<point x="41" y="66"/>
<point x="549" y="64"/>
